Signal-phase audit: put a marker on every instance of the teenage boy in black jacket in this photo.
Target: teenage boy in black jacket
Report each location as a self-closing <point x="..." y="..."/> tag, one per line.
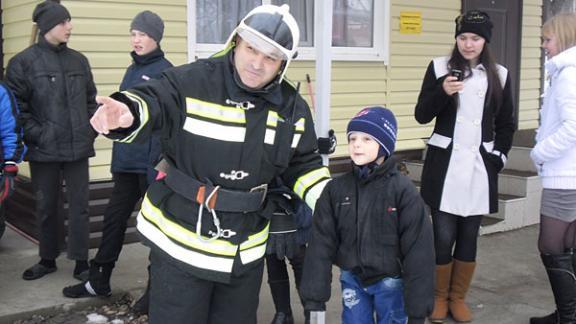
<point x="55" y="91"/>
<point x="372" y="224"/>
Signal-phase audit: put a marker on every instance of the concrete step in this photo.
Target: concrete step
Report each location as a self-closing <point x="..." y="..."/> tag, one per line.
<point x="518" y="183"/>
<point x="519" y="159"/>
<point x="510" y="182"/>
<point x="414" y="168"/>
<point x="510" y="215"/>
<point x="518" y="198"/>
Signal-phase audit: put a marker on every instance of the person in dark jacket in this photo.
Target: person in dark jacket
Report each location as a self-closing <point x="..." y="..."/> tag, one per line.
<point x="11" y="146"/>
<point x="290" y="226"/>
<point x="373" y="224"/>
<point x="54" y="88"/>
<point x="229" y="125"/>
<point x="132" y="164"/>
<point x="470" y="98"/>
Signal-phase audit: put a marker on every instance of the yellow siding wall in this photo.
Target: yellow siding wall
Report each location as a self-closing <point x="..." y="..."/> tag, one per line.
<point x="359" y="84"/>
<point x="530" y="72"/>
<point x="354" y="85"/>
<point x="409" y="57"/>
<point x="16" y="31"/>
<point x="101" y="33"/>
<point x="101" y="30"/>
<point x="410" y="54"/>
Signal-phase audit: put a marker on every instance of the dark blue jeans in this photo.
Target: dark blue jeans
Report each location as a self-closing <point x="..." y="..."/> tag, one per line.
<point x="385" y="298"/>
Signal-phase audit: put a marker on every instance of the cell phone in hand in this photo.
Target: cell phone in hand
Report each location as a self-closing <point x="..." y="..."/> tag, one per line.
<point x="458" y="74"/>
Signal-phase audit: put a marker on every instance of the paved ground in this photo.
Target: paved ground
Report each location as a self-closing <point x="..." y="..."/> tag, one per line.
<point x="509" y="286"/>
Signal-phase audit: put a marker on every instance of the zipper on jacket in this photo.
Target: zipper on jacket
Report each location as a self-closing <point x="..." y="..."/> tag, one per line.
<point x="65" y="83"/>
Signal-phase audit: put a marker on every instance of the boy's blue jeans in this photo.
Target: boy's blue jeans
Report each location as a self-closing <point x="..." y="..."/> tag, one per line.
<point x="385" y="298"/>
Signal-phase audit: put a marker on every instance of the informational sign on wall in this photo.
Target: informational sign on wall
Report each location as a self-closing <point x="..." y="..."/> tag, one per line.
<point x="410" y="22"/>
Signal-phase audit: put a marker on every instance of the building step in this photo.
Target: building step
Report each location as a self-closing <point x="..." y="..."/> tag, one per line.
<point x="518" y="198"/>
<point x="510" y="182"/>
<point x="20" y="211"/>
<point x="510" y="215"/>
<point x="519" y="183"/>
<point x="519" y="159"/>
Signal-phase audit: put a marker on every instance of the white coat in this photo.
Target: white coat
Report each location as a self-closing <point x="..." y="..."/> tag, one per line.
<point x="555" y="152"/>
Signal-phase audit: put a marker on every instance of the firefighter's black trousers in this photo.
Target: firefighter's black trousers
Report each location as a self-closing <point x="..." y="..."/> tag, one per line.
<point x="179" y="297"/>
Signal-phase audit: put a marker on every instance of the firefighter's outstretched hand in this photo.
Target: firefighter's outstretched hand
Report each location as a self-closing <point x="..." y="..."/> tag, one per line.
<point x="111" y="115"/>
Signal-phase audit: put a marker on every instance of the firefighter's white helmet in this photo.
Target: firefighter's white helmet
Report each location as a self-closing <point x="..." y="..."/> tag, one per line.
<point x="272" y="30"/>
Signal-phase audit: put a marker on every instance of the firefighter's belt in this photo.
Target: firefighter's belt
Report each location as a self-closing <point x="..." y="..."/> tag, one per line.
<point x="220" y="199"/>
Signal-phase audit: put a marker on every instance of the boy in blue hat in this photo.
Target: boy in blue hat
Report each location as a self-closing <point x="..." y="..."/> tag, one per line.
<point x="372" y="223"/>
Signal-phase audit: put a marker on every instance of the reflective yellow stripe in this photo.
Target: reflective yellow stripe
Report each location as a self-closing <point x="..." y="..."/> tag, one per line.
<point x="314" y="193"/>
<point x="252" y="254"/>
<point x="255" y="239"/>
<point x="165" y="228"/>
<point x="272" y="120"/>
<point x="143" y="113"/>
<point x="180" y="234"/>
<point x="193" y="258"/>
<point x="215" y="130"/>
<point x="214" y="111"/>
<point x="255" y="247"/>
<point x="300" y="125"/>
<point x="309" y="179"/>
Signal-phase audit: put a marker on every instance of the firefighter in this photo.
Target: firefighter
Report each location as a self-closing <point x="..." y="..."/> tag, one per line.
<point x="229" y="125"/>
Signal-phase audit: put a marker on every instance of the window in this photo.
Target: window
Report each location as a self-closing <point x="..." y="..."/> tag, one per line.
<point x="359" y="27"/>
<point x="352" y="23"/>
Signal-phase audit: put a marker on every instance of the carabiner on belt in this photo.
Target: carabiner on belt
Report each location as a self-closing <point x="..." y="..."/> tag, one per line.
<point x="219" y="232"/>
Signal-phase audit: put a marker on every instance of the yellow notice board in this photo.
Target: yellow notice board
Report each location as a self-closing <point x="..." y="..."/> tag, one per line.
<point x="410" y="22"/>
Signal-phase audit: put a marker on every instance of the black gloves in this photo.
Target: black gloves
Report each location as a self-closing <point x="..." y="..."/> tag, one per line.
<point x="496" y="160"/>
<point x="290" y="221"/>
<point x="282" y="236"/>
<point x="327" y="145"/>
<point x="9" y="172"/>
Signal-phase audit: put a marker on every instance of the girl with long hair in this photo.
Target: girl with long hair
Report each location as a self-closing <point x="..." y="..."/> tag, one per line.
<point x="470" y="97"/>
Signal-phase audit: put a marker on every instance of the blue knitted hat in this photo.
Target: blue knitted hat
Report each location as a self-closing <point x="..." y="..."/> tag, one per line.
<point x="378" y="122"/>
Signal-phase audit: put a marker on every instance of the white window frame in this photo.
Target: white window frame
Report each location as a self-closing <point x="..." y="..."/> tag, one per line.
<point x="379" y="52"/>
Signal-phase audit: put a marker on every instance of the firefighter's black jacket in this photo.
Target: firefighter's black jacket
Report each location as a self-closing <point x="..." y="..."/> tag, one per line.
<point x="204" y="134"/>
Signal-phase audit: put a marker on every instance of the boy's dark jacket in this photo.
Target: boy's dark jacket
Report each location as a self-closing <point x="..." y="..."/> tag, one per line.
<point x="56" y="94"/>
<point x="376" y="227"/>
<point x="140" y="157"/>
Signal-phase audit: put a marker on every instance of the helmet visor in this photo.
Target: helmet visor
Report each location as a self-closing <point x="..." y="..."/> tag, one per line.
<point x="262" y="43"/>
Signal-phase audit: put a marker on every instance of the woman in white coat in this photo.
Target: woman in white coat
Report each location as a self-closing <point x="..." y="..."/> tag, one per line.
<point x="555" y="158"/>
<point x="472" y="135"/>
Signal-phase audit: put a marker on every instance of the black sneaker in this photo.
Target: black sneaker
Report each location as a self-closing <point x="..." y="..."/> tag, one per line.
<point x="282" y="318"/>
<point x="83" y="290"/>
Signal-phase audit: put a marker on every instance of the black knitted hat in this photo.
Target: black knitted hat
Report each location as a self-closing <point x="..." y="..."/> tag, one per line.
<point x="474" y="21"/>
<point x="48" y="14"/>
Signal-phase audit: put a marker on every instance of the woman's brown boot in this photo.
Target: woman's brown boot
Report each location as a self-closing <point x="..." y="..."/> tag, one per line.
<point x="443" y="275"/>
<point x="462" y="273"/>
